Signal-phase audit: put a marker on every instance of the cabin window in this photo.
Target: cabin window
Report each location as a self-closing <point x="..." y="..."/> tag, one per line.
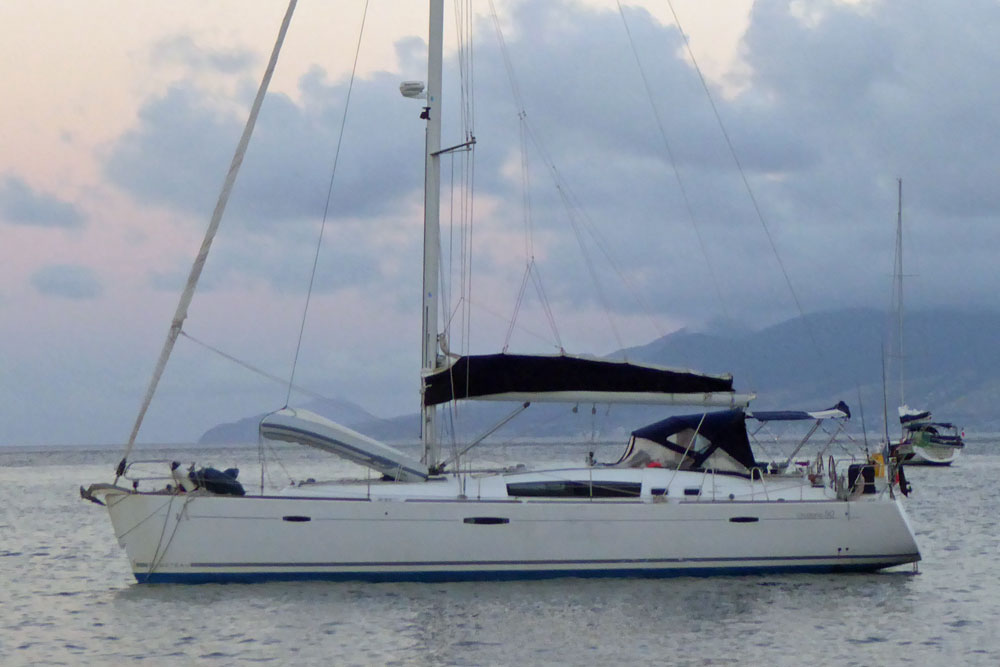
<point x="575" y="489"/>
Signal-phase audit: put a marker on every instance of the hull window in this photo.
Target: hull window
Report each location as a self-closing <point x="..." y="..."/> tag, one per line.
<point x="575" y="489"/>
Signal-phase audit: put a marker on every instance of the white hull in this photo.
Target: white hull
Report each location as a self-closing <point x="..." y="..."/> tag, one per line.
<point x="600" y="521"/>
<point x="209" y="538"/>
<point x="932" y="455"/>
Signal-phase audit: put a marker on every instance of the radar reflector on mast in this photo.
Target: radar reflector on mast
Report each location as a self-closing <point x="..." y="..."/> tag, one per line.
<point x="413" y="89"/>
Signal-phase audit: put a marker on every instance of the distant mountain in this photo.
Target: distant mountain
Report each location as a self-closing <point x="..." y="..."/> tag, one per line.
<point x="952" y="361"/>
<point x="951" y="357"/>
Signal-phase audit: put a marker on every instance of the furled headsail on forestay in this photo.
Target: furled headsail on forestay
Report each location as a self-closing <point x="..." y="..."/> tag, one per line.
<point x="566" y="378"/>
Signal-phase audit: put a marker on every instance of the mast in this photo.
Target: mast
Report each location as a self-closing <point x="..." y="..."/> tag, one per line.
<point x="899" y="285"/>
<point x="432" y="232"/>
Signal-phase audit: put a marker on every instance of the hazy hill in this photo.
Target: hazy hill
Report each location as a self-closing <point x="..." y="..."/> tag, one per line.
<point x="952" y="361"/>
<point x="245" y="430"/>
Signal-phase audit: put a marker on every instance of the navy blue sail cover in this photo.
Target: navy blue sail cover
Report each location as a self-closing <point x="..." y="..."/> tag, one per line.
<point x="724" y="430"/>
<point x="494" y="374"/>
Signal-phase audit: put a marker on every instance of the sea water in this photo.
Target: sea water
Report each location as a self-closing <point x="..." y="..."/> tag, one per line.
<point x="67" y="595"/>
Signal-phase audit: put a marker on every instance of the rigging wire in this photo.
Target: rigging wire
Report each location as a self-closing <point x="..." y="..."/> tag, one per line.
<point x="459" y="306"/>
<point x="582" y="224"/>
<point x="531" y="266"/>
<point x="250" y="367"/>
<point x="461" y="209"/>
<point x="532" y="275"/>
<point x="570" y="202"/>
<point x="312" y="393"/>
<point x="326" y="208"/>
<point x="673" y="162"/>
<point x="176" y="325"/>
<point x="517" y="306"/>
<point x="536" y="277"/>
<point x="746" y="183"/>
<point x="529" y="237"/>
<point x="464" y="17"/>
<point x="445" y="291"/>
<point x="591" y="266"/>
<point x="488" y="309"/>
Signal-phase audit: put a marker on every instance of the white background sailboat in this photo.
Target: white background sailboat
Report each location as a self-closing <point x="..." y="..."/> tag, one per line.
<point x="688" y="496"/>
<point x="923" y="441"/>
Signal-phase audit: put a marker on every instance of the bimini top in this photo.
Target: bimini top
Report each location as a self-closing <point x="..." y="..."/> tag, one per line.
<point x="714" y="440"/>
<point x="566" y="378"/>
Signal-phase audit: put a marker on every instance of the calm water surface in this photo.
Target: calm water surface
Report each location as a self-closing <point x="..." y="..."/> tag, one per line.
<point x="67" y="596"/>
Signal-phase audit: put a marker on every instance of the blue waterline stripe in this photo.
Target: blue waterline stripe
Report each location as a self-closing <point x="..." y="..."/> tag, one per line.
<point x="609" y="561"/>
<point x="503" y="575"/>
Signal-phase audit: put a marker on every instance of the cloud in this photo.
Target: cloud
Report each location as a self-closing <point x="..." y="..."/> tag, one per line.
<point x="180" y="151"/>
<point x="828" y="108"/>
<point x="172" y="157"/>
<point x="182" y="50"/>
<point x="343" y="262"/>
<point x="20" y="204"/>
<point x="67" y="281"/>
<point x="820" y="137"/>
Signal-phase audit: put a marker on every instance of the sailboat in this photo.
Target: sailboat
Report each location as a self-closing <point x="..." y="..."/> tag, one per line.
<point x="687" y="497"/>
<point x="923" y="441"/>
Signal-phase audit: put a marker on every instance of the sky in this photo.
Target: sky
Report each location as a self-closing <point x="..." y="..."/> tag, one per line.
<point x="120" y="120"/>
